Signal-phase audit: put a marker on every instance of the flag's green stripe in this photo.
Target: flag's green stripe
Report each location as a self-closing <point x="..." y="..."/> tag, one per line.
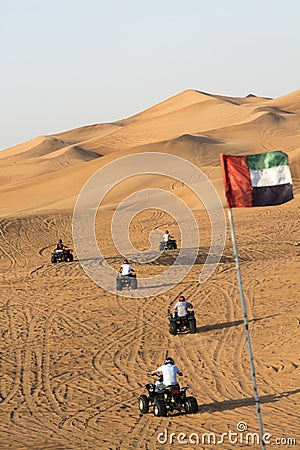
<point x="267" y="160"/>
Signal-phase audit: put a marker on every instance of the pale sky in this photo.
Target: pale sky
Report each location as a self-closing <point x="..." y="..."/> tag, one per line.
<point x="69" y="63"/>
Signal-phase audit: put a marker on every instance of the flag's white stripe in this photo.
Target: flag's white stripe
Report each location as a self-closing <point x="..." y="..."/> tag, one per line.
<point x="270" y="177"/>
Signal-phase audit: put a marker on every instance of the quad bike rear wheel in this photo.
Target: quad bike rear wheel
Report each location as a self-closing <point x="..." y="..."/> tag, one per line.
<point x="53" y="259"/>
<point x="173" y="328"/>
<point x="159" y="409"/>
<point x="133" y="283"/>
<point x="144" y="404"/>
<point x="193" y="328"/>
<point x="191" y="405"/>
<point x="171" y="245"/>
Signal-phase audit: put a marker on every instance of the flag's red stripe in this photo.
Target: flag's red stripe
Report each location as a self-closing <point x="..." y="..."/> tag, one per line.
<point x="237" y="181"/>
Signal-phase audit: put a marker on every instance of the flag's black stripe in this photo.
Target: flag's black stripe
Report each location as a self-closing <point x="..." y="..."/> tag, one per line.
<point x="272" y="195"/>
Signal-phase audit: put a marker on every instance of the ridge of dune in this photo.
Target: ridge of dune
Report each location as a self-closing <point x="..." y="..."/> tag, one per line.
<point x="47" y="156"/>
<point x="248" y="99"/>
<point x="190" y="119"/>
<point x="43" y="146"/>
<point x="289" y="102"/>
<point x="34" y="148"/>
<point x="72" y="152"/>
<point x="179" y="101"/>
<point x="263" y="121"/>
<point x="90" y="136"/>
<point x="179" y="117"/>
<point x="185" y="99"/>
<point x="182" y="113"/>
<point x="87" y="132"/>
<point x="23" y="147"/>
<point x="272" y="109"/>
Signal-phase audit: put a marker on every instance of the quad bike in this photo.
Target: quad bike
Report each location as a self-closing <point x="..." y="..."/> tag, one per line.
<point x="62" y="256"/>
<point x="126" y="281"/>
<point x="171" y="244"/>
<point x="181" y="324"/>
<point x="164" y="400"/>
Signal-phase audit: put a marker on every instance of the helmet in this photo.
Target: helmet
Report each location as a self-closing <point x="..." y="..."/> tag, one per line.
<point x="181" y="298"/>
<point x="125" y="261"/>
<point x="59" y="241"/>
<point x="169" y="360"/>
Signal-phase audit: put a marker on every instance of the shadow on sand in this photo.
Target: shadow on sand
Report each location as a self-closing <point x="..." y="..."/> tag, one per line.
<point x="228" y="405"/>
<point x="235" y="323"/>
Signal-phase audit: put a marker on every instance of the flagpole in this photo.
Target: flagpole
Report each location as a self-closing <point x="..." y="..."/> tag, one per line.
<point x="246" y="324"/>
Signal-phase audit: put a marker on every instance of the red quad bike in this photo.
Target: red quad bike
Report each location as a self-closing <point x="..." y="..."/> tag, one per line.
<point x="182" y="324"/>
<point x="166" y="400"/>
<point x="62" y="256"/>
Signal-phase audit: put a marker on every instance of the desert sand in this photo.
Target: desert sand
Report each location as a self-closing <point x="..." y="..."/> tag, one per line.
<point x="75" y="358"/>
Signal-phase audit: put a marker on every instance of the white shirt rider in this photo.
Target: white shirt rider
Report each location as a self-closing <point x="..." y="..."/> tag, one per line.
<point x="166" y="237"/>
<point x="126" y="269"/>
<point x="182" y="308"/>
<point x="170" y="372"/>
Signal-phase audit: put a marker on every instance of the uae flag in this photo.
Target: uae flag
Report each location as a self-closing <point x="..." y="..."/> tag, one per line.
<point x="257" y="180"/>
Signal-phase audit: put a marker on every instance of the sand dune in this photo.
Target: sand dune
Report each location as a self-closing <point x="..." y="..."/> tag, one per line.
<point x="34" y="148"/>
<point x="75" y="358"/>
<point x="289" y="102"/>
<point x="87" y="132"/>
<point x="193" y="124"/>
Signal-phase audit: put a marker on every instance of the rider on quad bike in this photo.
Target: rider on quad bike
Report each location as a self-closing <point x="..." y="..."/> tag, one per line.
<point x="126" y="277"/>
<point x="183" y="319"/>
<point x="169" y="372"/>
<point x="165" y="396"/>
<point x="182" y="307"/>
<point x="126" y="269"/>
<point x="168" y="242"/>
<point x="60" y="245"/>
<point x="61" y="253"/>
<point x="167" y="236"/>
